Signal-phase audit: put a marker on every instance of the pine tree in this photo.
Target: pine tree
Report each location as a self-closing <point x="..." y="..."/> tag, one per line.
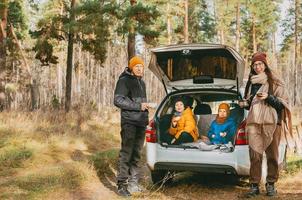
<point x="13" y="28"/>
<point x="137" y="18"/>
<point x="202" y="24"/>
<point x="259" y="23"/>
<point x="292" y="27"/>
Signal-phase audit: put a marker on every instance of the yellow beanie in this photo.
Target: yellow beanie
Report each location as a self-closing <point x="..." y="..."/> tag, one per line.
<point x="134" y="61"/>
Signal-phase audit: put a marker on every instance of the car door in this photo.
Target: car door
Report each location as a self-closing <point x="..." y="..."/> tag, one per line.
<point x="188" y="66"/>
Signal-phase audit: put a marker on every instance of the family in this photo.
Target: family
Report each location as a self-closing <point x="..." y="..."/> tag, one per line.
<point x="264" y="91"/>
<point x="183" y="125"/>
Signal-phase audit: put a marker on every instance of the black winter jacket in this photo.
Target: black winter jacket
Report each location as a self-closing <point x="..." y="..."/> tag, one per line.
<point x="130" y="92"/>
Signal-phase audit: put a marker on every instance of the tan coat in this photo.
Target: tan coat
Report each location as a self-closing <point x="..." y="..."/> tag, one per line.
<point x="262" y="119"/>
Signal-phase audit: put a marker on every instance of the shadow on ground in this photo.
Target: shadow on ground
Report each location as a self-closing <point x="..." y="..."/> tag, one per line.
<point x="105" y="164"/>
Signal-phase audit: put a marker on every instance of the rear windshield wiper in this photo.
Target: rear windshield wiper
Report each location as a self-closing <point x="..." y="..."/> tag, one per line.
<point x="174" y="88"/>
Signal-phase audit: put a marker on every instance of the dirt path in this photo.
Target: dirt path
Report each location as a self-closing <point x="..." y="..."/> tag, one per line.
<point x="187" y="186"/>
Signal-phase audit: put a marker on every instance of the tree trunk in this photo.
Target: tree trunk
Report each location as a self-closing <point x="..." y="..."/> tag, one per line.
<point x="27" y="68"/>
<point x="169" y="29"/>
<point x="3" y="35"/>
<point x="274" y="51"/>
<point x="34" y="94"/>
<point x="131" y="37"/>
<point x="221" y="36"/>
<point x="59" y="66"/>
<point x="254" y="35"/>
<point x="186" y="32"/>
<point x="69" y="61"/>
<point x="131" y="43"/>
<point x="296" y="63"/>
<point x="237" y="43"/>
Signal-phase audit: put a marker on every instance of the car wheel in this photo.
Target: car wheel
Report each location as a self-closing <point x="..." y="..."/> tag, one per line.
<point x="161" y="176"/>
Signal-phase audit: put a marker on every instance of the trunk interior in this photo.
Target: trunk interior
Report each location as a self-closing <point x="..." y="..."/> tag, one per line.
<point x="205" y="108"/>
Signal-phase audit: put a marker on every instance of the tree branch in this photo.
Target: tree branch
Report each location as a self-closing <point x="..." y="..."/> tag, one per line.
<point x="21" y="51"/>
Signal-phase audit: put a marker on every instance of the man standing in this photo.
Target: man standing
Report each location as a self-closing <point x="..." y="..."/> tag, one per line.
<point x="130" y="97"/>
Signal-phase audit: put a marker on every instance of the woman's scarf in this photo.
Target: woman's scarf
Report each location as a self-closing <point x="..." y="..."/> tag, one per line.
<point x="259" y="78"/>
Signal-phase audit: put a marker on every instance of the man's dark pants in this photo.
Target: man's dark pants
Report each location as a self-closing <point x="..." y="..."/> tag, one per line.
<point x="133" y="138"/>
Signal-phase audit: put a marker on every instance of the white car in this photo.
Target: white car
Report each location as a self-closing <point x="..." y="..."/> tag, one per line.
<point x="209" y="74"/>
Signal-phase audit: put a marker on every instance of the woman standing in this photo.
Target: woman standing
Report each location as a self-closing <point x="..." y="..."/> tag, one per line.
<point x="269" y="118"/>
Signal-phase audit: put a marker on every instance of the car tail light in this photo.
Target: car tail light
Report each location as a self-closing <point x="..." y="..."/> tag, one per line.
<point x="151" y="132"/>
<point x="242" y="138"/>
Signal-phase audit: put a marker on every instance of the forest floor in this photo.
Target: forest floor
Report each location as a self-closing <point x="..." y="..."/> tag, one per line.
<point x="53" y="155"/>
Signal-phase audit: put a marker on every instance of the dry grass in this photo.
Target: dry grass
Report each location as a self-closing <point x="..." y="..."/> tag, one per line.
<point x="53" y="155"/>
<point x="47" y="155"/>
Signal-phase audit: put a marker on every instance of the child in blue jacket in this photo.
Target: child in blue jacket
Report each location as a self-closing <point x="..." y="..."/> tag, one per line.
<point x="223" y="128"/>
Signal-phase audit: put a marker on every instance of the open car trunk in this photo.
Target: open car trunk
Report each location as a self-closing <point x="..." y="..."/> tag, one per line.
<point x="205" y="104"/>
<point x="188" y="66"/>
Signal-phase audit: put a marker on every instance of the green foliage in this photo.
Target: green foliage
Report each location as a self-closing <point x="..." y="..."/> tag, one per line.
<point x="288" y="27"/>
<point x="12" y="157"/>
<point x="92" y="27"/>
<point x="103" y="160"/>
<point x="44" y="53"/>
<point x="55" y="103"/>
<point x="50" y="31"/>
<point x="202" y="26"/>
<point x="16" y="17"/>
<point x="69" y="176"/>
<point x="294" y="165"/>
<point x="266" y="15"/>
<point x="141" y="17"/>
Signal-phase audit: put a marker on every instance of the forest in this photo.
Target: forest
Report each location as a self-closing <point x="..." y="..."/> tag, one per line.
<point x="58" y="54"/>
<point x="60" y="61"/>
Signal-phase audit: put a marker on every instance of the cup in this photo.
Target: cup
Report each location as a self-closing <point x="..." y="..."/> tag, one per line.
<point x="243" y="103"/>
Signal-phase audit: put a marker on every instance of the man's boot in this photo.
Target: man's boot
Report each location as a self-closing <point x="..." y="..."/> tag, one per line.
<point x="270" y="189"/>
<point x="254" y="191"/>
<point x="122" y="190"/>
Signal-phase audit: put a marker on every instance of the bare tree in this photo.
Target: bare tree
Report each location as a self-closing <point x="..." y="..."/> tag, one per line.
<point x="237" y="42"/>
<point x="3" y="35"/>
<point x="296" y="61"/>
<point x="69" y="60"/>
<point x="131" y="37"/>
<point x="169" y="25"/>
<point x="254" y="34"/>
<point x="186" y="25"/>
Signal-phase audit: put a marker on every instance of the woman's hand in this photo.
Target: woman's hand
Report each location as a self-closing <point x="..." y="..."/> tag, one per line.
<point x="243" y="103"/>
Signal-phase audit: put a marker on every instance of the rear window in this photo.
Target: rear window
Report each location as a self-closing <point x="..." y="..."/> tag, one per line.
<point x="213" y="99"/>
<point x="185" y="64"/>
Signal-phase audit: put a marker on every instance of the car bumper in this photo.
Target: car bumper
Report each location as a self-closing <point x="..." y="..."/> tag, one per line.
<point x="179" y="159"/>
<point x="236" y="162"/>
